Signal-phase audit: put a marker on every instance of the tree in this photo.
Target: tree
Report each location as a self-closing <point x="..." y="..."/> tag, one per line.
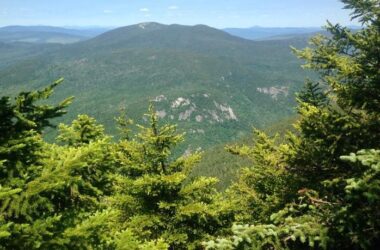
<point x="83" y="130"/>
<point x="332" y="158"/>
<point x="21" y="123"/>
<point x="349" y="66"/>
<point x="261" y="188"/>
<point x="156" y="200"/>
<point x="47" y="189"/>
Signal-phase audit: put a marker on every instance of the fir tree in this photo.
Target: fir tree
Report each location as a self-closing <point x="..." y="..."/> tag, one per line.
<point x="83" y="130"/>
<point x="46" y="189"/>
<point x="332" y="159"/>
<point x="156" y="199"/>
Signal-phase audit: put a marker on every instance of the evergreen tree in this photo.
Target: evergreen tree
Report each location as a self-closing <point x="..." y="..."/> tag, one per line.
<point x="46" y="189"/>
<point x="312" y="94"/>
<point x="156" y="199"/>
<point x="260" y="188"/>
<point x="22" y="152"/>
<point x="21" y="123"/>
<point x="83" y="130"/>
<point x="337" y="205"/>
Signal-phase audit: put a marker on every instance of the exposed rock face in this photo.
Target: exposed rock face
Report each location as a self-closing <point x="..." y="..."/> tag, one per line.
<point x="214" y="116"/>
<point x="160" y="98"/>
<point x="180" y="102"/>
<point x="186" y="109"/>
<point x="81" y="61"/>
<point x="186" y="114"/>
<point x="274" y="91"/>
<point x="144" y="25"/>
<point x="228" y="112"/>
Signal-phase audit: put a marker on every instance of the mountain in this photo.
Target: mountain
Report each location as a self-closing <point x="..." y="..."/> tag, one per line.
<point x="263" y="33"/>
<point x="214" y="85"/>
<point x="46" y="34"/>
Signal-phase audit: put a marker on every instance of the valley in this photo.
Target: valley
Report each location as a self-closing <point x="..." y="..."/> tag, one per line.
<point x="215" y="86"/>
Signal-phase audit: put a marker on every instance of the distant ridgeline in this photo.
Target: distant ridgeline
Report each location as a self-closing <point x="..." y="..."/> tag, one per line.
<point x="214" y="85"/>
<point x="313" y="186"/>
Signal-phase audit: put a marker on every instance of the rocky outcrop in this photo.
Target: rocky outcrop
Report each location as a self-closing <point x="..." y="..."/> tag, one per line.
<point x="274" y="92"/>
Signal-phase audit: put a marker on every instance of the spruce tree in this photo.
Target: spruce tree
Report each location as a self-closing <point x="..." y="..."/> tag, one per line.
<point x="156" y="199"/>
<point x="48" y="191"/>
<point x="332" y="158"/>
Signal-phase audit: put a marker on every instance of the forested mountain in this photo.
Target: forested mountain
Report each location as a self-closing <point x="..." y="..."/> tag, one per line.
<point x="47" y="34"/>
<point x="214" y="85"/>
<point x="267" y="33"/>
<point x="313" y="184"/>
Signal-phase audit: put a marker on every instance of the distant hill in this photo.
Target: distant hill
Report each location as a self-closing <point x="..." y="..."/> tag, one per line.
<point x="12" y="52"/>
<point x="214" y="85"/>
<point x="263" y="33"/>
<point x="46" y="34"/>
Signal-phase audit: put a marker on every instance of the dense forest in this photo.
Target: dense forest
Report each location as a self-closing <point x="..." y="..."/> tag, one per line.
<point x="317" y="186"/>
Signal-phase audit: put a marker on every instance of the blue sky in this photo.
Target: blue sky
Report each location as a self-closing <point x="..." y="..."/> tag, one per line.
<point x="216" y="13"/>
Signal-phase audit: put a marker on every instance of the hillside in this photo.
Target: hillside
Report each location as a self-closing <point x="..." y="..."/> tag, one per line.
<point x="214" y="85"/>
<point x="46" y="34"/>
<point x="264" y="33"/>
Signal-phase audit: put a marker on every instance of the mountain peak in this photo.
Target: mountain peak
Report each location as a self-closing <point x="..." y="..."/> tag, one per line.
<point x="156" y="35"/>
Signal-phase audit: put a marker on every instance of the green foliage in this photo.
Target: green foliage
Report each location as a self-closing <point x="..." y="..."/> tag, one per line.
<point x="312" y="94"/>
<point x="45" y="189"/>
<point x="155" y="198"/>
<point x="82" y="131"/>
<point x="126" y="241"/>
<point x="359" y="200"/>
<point x="21" y="122"/>
<point x="130" y="66"/>
<point x="338" y="195"/>
<point x="351" y="120"/>
<point x="318" y="187"/>
<point x="260" y="188"/>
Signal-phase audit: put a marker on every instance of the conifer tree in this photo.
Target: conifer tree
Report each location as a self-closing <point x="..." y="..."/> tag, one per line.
<point x="312" y="94"/>
<point x="156" y="199"/>
<point x="22" y="151"/>
<point x="351" y="121"/>
<point x="332" y="159"/>
<point x="83" y="130"/>
<point x="46" y="190"/>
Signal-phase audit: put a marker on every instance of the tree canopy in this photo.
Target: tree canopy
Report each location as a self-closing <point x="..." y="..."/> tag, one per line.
<point x="317" y="187"/>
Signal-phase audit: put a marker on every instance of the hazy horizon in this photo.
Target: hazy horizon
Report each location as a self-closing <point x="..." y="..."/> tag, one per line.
<point x="218" y="14"/>
<point x="114" y="27"/>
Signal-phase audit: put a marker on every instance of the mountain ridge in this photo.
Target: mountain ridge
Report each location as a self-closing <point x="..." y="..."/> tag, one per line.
<point x="214" y="85"/>
<point x="46" y="34"/>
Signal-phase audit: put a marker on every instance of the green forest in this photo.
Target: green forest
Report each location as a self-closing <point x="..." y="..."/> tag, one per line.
<point x="313" y="185"/>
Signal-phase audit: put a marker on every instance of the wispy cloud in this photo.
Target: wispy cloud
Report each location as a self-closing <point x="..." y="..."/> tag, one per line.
<point x="173" y="7"/>
<point x="107" y="11"/>
<point x="144" y="10"/>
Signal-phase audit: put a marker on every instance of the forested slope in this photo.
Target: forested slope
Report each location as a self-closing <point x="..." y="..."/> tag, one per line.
<point x="316" y="187"/>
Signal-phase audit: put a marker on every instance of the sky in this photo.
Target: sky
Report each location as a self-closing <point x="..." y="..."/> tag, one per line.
<point x="215" y="13"/>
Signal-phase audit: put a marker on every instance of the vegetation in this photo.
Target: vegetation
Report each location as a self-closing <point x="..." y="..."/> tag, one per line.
<point x="316" y="187"/>
<point x="320" y="187"/>
<point x="130" y="66"/>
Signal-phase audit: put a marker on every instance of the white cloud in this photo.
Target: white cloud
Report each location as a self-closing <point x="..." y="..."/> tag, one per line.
<point x="173" y="7"/>
<point x="144" y="10"/>
<point x="107" y="11"/>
